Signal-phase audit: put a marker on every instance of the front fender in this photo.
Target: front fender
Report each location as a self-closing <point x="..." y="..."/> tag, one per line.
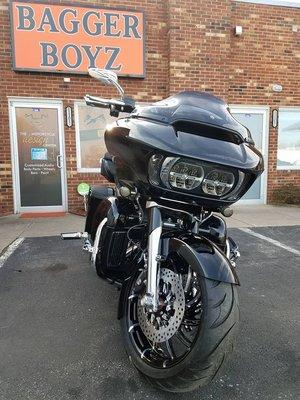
<point x="203" y="256"/>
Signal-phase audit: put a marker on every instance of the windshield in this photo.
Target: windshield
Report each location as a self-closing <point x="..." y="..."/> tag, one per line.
<point x="198" y="107"/>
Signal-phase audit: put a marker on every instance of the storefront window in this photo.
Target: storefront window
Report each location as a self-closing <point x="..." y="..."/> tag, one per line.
<point x="288" y="154"/>
<point x="90" y="123"/>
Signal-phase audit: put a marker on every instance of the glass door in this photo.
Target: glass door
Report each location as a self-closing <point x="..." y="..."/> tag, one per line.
<point x="256" y="120"/>
<point x="38" y="156"/>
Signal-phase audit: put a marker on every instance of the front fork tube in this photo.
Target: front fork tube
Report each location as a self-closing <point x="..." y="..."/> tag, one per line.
<point x="153" y="260"/>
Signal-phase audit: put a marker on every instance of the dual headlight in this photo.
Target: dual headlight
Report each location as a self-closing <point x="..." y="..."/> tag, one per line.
<point x="193" y="176"/>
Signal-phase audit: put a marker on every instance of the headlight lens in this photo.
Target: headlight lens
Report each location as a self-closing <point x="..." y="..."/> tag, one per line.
<point x="180" y="174"/>
<point x="197" y="177"/>
<point x="218" y="182"/>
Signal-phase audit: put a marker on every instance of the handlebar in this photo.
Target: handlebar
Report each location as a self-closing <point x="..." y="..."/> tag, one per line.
<point x="126" y="105"/>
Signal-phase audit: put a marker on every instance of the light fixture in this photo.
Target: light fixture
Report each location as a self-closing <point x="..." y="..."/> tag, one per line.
<point x="69" y="119"/>
<point x="277" y="88"/>
<point x="275" y="118"/>
<point x="238" y="30"/>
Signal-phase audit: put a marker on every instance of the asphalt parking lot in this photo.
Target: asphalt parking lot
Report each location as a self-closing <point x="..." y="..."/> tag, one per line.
<point x="60" y="338"/>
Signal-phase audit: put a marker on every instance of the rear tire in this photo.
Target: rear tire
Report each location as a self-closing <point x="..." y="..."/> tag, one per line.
<point x="213" y="342"/>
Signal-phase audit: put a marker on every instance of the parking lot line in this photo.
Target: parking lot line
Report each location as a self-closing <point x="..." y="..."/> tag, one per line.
<point x="270" y="240"/>
<point x="9" y="250"/>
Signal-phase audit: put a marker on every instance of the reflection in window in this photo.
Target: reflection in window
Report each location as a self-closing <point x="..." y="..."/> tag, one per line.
<point x="90" y="127"/>
<point x="288" y="153"/>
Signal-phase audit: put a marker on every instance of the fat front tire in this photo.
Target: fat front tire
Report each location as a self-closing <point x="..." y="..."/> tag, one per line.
<point x="211" y="346"/>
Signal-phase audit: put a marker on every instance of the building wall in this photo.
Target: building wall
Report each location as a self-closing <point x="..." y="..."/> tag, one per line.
<point x="268" y="52"/>
<point x="199" y="37"/>
<point x="190" y="45"/>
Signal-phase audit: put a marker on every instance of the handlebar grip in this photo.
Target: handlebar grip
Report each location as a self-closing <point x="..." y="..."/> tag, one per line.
<point x="96" y="101"/>
<point x="124" y="105"/>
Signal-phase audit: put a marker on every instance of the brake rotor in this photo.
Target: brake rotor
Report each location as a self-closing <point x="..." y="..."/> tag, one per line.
<point x="162" y="325"/>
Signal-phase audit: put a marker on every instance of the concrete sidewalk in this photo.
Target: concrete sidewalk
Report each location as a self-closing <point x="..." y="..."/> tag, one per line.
<point x="12" y="226"/>
<point x="263" y="215"/>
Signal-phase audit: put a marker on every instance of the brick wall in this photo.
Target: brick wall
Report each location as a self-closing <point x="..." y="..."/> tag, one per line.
<point x="199" y="45"/>
<point x="268" y="52"/>
<point x="190" y="45"/>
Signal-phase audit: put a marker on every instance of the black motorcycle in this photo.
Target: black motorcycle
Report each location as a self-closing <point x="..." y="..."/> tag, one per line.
<point x="175" y="165"/>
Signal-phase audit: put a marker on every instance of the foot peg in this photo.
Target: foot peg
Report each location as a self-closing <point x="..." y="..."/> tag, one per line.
<point x="87" y="246"/>
<point x="74" y="235"/>
<point x="79" y="235"/>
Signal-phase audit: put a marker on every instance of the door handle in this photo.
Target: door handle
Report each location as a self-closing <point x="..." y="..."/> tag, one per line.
<point x="58" y="161"/>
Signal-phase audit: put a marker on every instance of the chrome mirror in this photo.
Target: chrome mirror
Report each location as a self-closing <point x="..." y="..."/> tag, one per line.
<point x="107" y="77"/>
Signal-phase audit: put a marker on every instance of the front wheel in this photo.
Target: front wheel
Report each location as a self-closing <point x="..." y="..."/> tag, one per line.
<point x="183" y="344"/>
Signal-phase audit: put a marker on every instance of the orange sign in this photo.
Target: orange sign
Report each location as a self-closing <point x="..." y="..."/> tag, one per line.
<point x="67" y="38"/>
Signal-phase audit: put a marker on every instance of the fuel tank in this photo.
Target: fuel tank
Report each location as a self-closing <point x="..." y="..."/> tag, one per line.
<point x="190" y="125"/>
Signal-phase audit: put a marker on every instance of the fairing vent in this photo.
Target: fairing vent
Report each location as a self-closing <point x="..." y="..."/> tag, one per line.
<point x="209" y="131"/>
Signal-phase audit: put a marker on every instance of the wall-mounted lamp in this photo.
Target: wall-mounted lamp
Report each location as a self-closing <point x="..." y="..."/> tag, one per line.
<point x="69" y="119"/>
<point x="277" y="88"/>
<point x="275" y="118"/>
<point x="238" y="30"/>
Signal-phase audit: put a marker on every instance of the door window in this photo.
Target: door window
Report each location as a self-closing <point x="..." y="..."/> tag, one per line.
<point x="38" y="155"/>
<point x="254" y="121"/>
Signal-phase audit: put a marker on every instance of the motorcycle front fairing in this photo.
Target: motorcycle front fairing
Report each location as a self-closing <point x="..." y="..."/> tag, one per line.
<point x="133" y="141"/>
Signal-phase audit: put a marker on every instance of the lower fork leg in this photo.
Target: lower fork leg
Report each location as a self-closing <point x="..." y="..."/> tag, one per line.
<point x="154" y="246"/>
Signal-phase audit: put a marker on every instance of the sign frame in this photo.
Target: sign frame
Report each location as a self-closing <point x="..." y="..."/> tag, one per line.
<point x="81" y="5"/>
